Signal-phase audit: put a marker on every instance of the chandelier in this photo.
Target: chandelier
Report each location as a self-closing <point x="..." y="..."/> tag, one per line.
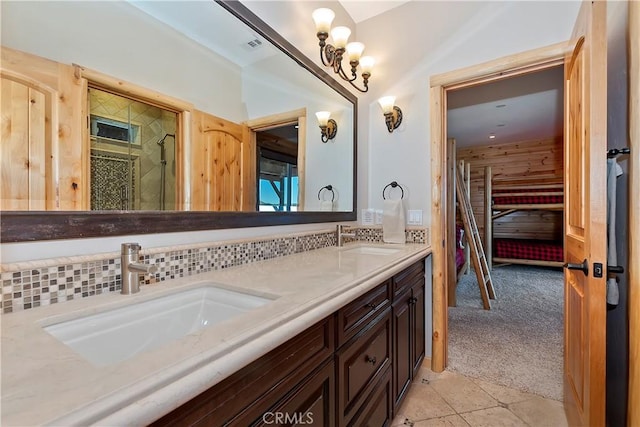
<point x="333" y="54"/>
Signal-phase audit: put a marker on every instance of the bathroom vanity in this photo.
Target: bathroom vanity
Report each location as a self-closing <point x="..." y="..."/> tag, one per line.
<point x="338" y="342"/>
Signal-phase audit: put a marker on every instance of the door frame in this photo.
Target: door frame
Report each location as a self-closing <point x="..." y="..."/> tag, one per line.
<point x="298" y="116"/>
<point x="633" y="417"/>
<point x="501" y="68"/>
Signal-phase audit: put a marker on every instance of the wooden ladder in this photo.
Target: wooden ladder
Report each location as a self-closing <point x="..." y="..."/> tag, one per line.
<point x="478" y="257"/>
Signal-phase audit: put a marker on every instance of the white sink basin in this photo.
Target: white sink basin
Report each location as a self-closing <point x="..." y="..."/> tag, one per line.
<point x="371" y="250"/>
<point x="121" y="333"/>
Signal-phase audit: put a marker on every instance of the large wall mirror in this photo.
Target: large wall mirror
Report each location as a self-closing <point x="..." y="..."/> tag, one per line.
<point x="183" y="116"/>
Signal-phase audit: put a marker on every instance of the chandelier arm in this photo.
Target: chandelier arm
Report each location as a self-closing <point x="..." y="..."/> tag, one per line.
<point x="365" y="84"/>
<point x="344" y="75"/>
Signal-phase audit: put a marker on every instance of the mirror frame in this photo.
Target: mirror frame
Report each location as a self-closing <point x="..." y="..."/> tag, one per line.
<point x="25" y="226"/>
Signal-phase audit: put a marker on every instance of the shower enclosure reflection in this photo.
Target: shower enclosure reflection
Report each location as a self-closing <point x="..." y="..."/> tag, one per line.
<point x="132" y="154"/>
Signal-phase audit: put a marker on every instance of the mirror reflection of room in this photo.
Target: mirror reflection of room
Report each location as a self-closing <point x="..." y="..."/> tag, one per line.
<point x="278" y="177"/>
<point x="132" y="160"/>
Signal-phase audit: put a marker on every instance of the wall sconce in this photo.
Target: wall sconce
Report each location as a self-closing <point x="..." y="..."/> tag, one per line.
<point x="332" y="55"/>
<point x="328" y="127"/>
<point x="392" y="114"/>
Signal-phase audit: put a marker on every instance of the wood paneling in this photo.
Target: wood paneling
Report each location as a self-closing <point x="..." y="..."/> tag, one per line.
<point x="541" y="159"/>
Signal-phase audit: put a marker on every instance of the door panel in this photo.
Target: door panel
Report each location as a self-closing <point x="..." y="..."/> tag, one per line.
<point x="219" y="159"/>
<point x="585" y="218"/>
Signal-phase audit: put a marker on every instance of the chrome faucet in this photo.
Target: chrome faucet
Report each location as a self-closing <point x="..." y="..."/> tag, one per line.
<point x="132" y="268"/>
<point x="340" y="234"/>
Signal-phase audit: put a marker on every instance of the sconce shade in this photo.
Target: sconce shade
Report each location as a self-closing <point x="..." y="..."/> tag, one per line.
<point x="323" y="18"/>
<point x="354" y="51"/>
<point x="387" y="103"/>
<point x="323" y="117"/>
<point x="366" y="64"/>
<point x="340" y="36"/>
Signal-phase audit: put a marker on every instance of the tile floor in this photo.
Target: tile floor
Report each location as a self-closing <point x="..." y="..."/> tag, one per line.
<point x="450" y="399"/>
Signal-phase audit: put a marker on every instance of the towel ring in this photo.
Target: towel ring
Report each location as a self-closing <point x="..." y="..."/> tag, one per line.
<point x="392" y="184"/>
<point x="328" y="188"/>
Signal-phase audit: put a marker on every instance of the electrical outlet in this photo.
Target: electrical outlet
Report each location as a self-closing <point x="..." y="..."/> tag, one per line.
<point x="368" y="217"/>
<point x="415" y="217"/>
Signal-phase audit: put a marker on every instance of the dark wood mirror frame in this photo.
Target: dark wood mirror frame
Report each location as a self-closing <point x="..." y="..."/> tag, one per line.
<point x="23" y="226"/>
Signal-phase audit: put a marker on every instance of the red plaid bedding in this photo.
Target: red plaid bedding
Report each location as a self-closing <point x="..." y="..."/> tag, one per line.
<point x="526" y="200"/>
<point x="541" y="250"/>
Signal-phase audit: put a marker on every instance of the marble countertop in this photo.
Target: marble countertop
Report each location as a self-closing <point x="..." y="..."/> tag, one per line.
<point x="45" y="382"/>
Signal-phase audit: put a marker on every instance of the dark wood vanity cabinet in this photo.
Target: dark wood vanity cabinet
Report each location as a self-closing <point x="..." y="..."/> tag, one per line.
<point x="267" y="383"/>
<point x="351" y="369"/>
<point x="408" y="328"/>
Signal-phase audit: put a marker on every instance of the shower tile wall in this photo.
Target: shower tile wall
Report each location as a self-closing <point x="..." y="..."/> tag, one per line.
<point x="153" y="123"/>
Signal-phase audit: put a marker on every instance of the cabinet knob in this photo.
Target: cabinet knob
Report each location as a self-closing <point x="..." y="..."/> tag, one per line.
<point x="371" y="305"/>
<point x="413" y="300"/>
<point x="370" y="359"/>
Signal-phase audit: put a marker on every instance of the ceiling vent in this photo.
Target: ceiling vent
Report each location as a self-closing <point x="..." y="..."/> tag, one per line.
<point x="252" y="44"/>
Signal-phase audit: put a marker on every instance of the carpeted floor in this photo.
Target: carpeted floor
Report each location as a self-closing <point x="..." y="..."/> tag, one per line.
<point x="519" y="342"/>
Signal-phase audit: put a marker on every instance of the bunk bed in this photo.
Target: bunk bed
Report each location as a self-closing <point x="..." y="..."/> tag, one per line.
<point x="504" y="197"/>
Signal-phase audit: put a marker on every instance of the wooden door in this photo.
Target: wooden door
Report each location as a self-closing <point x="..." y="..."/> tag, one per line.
<point x="22" y="146"/>
<point x="585" y="218"/>
<point x="223" y="165"/>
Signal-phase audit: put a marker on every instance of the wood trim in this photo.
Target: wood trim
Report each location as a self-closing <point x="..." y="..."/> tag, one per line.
<point x="488" y="217"/>
<point x="276" y="120"/>
<point x="302" y="161"/>
<point x="527" y="262"/>
<point x="532" y="206"/>
<point x="438" y="230"/>
<point x="452" y="279"/>
<point x="633" y="416"/>
<point x="508" y="66"/>
<point x="124" y="88"/>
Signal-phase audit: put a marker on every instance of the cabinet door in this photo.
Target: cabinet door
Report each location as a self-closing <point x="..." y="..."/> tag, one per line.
<point x="312" y="403"/>
<point x="360" y="364"/>
<point x="403" y="354"/>
<point x="418" y="331"/>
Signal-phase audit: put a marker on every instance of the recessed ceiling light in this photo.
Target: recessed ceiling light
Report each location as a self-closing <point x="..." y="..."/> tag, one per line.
<point x="501" y="125"/>
<point x="492" y="136"/>
<point x="501" y="105"/>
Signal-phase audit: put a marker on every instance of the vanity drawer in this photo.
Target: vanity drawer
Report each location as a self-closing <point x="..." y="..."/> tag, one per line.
<point x="378" y="408"/>
<point x="407" y="278"/>
<point x="361" y="363"/>
<point x="355" y="315"/>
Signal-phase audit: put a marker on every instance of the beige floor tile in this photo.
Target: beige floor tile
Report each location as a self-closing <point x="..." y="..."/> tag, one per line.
<point x="503" y="394"/>
<point x="398" y="421"/>
<point x="493" y="417"/>
<point x="423" y="403"/>
<point x="462" y="394"/>
<point x="449" y="421"/>
<point x="539" y="412"/>
<point x="427" y="376"/>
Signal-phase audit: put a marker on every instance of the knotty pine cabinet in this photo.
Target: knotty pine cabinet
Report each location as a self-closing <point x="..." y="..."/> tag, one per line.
<point x="351" y="369"/>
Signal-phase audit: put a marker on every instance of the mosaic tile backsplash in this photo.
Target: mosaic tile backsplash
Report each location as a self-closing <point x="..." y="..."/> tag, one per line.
<point x="24" y="288"/>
